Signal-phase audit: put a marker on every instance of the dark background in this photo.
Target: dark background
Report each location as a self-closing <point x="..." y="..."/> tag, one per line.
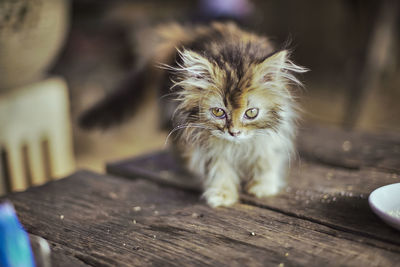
<point x="351" y="48"/>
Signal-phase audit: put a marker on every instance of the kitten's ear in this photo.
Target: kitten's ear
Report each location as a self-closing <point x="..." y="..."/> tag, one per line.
<point x="276" y="60"/>
<point x="195" y="64"/>
<point x="195" y="71"/>
<point x="278" y="68"/>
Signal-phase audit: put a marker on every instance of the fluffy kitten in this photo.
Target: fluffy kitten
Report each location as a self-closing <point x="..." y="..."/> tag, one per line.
<point x="233" y="113"/>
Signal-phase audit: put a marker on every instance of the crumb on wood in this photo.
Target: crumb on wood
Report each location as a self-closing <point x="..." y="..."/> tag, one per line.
<point x="196" y="215"/>
<point x="281" y="264"/>
<point x="252" y="233"/>
<point x="346" y="146"/>
<point x="113" y="195"/>
<point x="137" y="208"/>
<point x="62" y="217"/>
<point x="286" y="254"/>
<point x="156" y="212"/>
<point x="134" y="221"/>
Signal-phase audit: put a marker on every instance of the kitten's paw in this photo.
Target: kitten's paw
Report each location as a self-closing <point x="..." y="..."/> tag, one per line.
<point x="221" y="197"/>
<point x="263" y="189"/>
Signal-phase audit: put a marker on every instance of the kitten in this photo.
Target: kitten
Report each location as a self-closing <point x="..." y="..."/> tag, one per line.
<point x="233" y="112"/>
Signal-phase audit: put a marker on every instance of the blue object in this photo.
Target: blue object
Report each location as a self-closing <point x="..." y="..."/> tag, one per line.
<point x="15" y="249"/>
<point x="226" y="8"/>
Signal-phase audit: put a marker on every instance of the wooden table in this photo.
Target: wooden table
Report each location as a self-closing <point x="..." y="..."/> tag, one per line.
<point x="156" y="218"/>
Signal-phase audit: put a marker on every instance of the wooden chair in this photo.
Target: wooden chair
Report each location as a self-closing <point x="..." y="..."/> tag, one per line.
<point x="35" y="135"/>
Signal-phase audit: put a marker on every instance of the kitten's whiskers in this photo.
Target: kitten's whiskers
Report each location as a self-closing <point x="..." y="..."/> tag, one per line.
<point x="184" y="126"/>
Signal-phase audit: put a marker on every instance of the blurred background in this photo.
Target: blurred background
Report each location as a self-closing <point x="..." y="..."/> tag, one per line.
<point x="350" y="46"/>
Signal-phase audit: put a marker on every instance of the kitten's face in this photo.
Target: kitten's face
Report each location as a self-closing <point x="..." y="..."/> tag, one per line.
<point x="237" y="118"/>
<point x="231" y="103"/>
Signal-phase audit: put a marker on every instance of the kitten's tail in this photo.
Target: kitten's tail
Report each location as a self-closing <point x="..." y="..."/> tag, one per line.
<point x="118" y="105"/>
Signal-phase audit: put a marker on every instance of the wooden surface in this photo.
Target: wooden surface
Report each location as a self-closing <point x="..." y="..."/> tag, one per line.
<point x="156" y="219"/>
<point x="351" y="150"/>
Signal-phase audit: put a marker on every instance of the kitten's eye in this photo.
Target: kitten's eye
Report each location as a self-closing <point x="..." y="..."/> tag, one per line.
<point x="218" y="112"/>
<point x="251" y="113"/>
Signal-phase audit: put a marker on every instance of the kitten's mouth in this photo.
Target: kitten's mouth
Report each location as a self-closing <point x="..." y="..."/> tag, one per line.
<point x="232" y="138"/>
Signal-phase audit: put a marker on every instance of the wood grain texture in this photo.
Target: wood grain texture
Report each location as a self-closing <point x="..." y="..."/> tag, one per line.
<point x="335" y="197"/>
<point x="96" y="220"/>
<point x="160" y="167"/>
<point x="353" y="150"/>
<point x="63" y="256"/>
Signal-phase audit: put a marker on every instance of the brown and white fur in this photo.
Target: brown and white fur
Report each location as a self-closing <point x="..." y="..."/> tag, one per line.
<point x="221" y="68"/>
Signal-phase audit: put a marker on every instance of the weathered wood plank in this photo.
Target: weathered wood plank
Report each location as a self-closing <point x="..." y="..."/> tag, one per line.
<point x="98" y="218"/>
<point x="354" y="150"/>
<point x="62" y="256"/>
<point x="59" y="255"/>
<point x="335" y="197"/>
<point x="160" y="167"/>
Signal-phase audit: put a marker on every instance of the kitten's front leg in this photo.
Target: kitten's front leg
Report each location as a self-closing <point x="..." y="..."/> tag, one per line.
<point x="221" y="184"/>
<point x="269" y="176"/>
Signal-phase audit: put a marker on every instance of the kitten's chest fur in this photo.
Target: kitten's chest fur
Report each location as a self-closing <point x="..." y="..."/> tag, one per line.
<point x="241" y="157"/>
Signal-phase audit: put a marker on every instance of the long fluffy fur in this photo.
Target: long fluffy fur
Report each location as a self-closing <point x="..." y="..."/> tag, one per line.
<point x="222" y="66"/>
<point x="225" y="71"/>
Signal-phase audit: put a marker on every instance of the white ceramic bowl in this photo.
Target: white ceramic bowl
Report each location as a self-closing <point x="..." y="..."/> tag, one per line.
<point x="385" y="202"/>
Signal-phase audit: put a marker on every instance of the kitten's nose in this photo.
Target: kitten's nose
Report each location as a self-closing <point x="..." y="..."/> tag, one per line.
<point x="234" y="132"/>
